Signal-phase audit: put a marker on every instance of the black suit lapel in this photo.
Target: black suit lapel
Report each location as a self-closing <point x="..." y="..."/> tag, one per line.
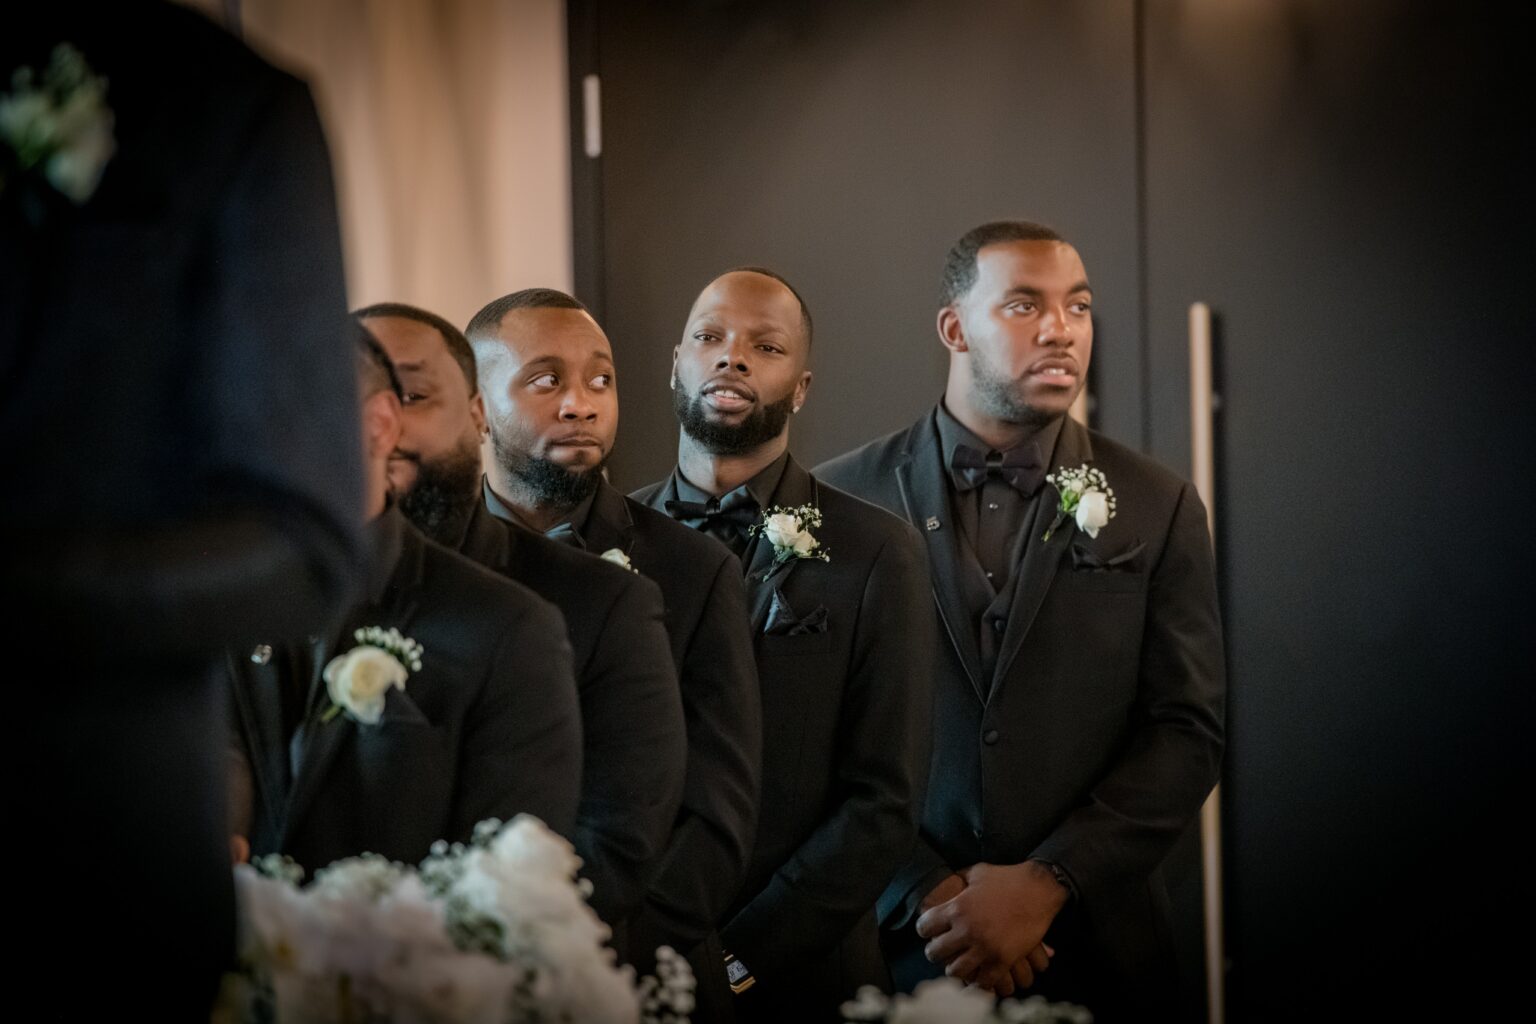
<point x="1042" y="559"/>
<point x="764" y="578"/>
<point x="925" y="495"/>
<point x="486" y="538"/>
<point x="610" y="524"/>
<point x="258" y="704"/>
<point x="319" y="743"/>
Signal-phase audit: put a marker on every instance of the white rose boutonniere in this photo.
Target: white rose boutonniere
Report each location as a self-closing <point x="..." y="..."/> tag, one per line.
<point x="1085" y="496"/>
<point x="789" y="531"/>
<point x="61" y="126"/>
<point x="619" y="558"/>
<point x="359" y="680"/>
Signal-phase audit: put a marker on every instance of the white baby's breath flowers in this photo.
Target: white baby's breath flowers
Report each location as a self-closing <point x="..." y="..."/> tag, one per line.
<point x="947" y="1001"/>
<point x="1085" y="495"/>
<point x="491" y="931"/>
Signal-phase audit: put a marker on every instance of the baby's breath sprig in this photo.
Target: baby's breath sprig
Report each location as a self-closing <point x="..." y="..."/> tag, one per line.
<point x="406" y="650"/>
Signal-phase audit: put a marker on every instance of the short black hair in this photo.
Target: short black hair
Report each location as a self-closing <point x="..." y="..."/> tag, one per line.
<point x="375" y="370"/>
<point x="960" y="264"/>
<point x="487" y="322"/>
<point x="458" y="345"/>
<point x="805" y="311"/>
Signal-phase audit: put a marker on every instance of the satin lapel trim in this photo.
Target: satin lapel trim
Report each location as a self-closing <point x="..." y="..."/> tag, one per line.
<point x="258" y="701"/>
<point x="321" y="742"/>
<point x="925" y="495"/>
<point x="763" y="577"/>
<point x="610" y="525"/>
<point x="485" y="538"/>
<point x="1042" y="560"/>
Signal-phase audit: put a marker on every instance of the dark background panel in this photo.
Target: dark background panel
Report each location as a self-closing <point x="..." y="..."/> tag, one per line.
<point x="1342" y="183"/>
<point x="1346" y="185"/>
<point x="847" y="145"/>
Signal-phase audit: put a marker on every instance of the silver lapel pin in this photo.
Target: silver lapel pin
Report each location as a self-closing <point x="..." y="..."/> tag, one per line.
<point x="262" y="654"/>
<point x="932" y="523"/>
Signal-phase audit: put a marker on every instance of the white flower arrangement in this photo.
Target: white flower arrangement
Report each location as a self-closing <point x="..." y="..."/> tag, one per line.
<point x="619" y="558"/>
<point x="789" y="531"/>
<point x="493" y="932"/>
<point x="61" y="126"/>
<point x="359" y="680"/>
<point x="947" y="1001"/>
<point x="1085" y="495"/>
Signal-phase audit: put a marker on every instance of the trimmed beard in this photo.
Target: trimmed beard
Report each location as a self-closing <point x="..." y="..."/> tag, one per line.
<point x="549" y="484"/>
<point x="997" y="395"/>
<point x="444" y="495"/>
<point x="762" y="424"/>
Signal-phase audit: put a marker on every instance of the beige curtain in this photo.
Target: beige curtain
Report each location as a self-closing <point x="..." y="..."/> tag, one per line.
<point x="448" y="129"/>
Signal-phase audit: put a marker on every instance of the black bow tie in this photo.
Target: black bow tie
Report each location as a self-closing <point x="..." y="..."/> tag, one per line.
<point x="1022" y="468"/>
<point x="726" y="518"/>
<point x="738" y="508"/>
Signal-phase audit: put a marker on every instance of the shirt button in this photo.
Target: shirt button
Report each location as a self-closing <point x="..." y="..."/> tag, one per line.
<point x="989" y="737"/>
<point x="989" y="575"/>
<point x="992" y="505"/>
<point x="998" y="624"/>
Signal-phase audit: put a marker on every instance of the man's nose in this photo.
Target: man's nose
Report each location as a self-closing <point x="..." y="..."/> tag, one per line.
<point x="734" y="357"/>
<point x="1055" y="328"/>
<point x="577" y="406"/>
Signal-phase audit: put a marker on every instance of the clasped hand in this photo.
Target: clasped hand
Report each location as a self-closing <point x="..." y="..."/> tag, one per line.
<point x="987" y="924"/>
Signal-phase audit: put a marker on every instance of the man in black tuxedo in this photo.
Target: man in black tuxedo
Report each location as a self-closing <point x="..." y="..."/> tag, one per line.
<point x="1079" y="715"/>
<point x="632" y="717"/>
<point x="486" y="723"/>
<point x="547" y="376"/>
<point x="844" y="646"/>
<point x="181" y="474"/>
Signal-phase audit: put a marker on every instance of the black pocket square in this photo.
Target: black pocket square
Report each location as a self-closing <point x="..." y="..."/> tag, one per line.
<point x="1084" y="557"/>
<point x="782" y="620"/>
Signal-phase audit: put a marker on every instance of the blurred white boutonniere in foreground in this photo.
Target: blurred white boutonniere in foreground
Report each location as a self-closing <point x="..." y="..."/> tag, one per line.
<point x="60" y="127"/>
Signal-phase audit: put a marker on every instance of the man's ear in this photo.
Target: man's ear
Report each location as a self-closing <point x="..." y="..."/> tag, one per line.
<point x="802" y="386"/>
<point x="672" y="381"/>
<point x="951" y="332"/>
<point x="477" y="413"/>
<point x="382" y="424"/>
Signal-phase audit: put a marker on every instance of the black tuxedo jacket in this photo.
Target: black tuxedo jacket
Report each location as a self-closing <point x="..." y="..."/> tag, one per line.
<point x="843" y="650"/>
<point x="633" y="736"/>
<point x="179" y="450"/>
<point x="488" y="727"/>
<point x="706" y="615"/>
<point x="1099" y="732"/>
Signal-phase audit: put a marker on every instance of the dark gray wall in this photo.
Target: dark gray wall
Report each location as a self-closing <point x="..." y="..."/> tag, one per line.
<point x="1345" y="184"/>
<point x="847" y="145"/>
